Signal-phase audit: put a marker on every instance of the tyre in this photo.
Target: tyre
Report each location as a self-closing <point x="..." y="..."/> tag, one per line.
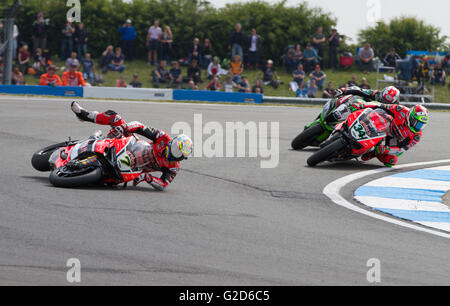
<point x="327" y="152"/>
<point x="39" y="161"/>
<point x="306" y="137"/>
<point x="91" y="177"/>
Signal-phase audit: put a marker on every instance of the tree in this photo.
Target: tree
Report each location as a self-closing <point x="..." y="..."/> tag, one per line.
<point x="405" y="33"/>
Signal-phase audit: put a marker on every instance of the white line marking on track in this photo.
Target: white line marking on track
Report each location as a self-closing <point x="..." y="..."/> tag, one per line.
<point x="333" y="189"/>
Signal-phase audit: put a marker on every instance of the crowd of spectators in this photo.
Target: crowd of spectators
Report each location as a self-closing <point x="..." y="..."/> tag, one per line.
<point x="306" y="65"/>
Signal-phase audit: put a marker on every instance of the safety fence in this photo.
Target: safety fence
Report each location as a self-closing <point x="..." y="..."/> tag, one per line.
<point x="170" y="95"/>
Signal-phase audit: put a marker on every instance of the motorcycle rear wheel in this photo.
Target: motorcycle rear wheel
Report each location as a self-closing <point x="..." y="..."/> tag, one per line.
<point x="307" y="137"/>
<point x="327" y="152"/>
<point x="92" y="177"/>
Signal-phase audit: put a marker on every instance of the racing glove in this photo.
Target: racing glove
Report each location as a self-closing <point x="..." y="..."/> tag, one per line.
<point x="156" y="183"/>
<point x="147" y="177"/>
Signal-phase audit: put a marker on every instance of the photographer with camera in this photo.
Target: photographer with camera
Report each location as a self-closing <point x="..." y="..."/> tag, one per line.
<point x="334" y="40"/>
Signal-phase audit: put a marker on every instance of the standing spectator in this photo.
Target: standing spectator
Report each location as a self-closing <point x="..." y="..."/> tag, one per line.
<point x="310" y="58"/>
<point x="166" y="43"/>
<point x="17" y="76"/>
<point x="15" y="41"/>
<point x="258" y="88"/>
<point x="135" y="82"/>
<point x="88" y="68"/>
<point x="391" y="58"/>
<point x="214" y="68"/>
<point x="175" y="76"/>
<point x="319" y="77"/>
<point x="270" y="76"/>
<point x="236" y="42"/>
<point x="50" y="78"/>
<point x="237" y="68"/>
<point x="206" y="55"/>
<point x="254" y="49"/>
<point x="129" y="35"/>
<point x="24" y="59"/>
<point x="328" y="93"/>
<point x="364" y="84"/>
<point x="438" y="75"/>
<point x="195" y="51"/>
<point x="160" y="74"/>
<point x="106" y="58"/>
<point x="117" y="62"/>
<point x="67" y="31"/>
<point x="72" y="77"/>
<point x="81" y="39"/>
<point x="299" y="75"/>
<point x="39" y="33"/>
<point x="72" y="60"/>
<point x="153" y="39"/>
<point x="194" y="72"/>
<point x="318" y="41"/>
<point x="334" y="40"/>
<point x="366" y="56"/>
<point x="121" y="82"/>
<point x="214" y="85"/>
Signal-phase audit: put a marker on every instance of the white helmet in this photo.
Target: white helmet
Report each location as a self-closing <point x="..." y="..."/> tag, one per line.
<point x="180" y="148"/>
<point x="390" y="95"/>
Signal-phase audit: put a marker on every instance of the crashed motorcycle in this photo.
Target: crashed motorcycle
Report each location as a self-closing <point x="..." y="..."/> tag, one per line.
<point x="359" y="134"/>
<point x="91" y="161"/>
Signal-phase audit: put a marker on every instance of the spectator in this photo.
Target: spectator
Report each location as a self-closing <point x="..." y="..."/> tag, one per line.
<point x="312" y="89"/>
<point x="236" y="42"/>
<point x="423" y="70"/>
<point x="328" y="93"/>
<point x="243" y="85"/>
<point x="254" y="49"/>
<point x="24" y="59"/>
<point x="160" y="74"/>
<point x="121" y="82"/>
<point x="17" y="77"/>
<point x="237" y="68"/>
<point x="196" y="51"/>
<point x="166" y="43"/>
<point x="319" y="77"/>
<point x="72" y="60"/>
<point x="366" y="56"/>
<point x="50" y="78"/>
<point x="438" y="75"/>
<point x="228" y="86"/>
<point x="88" y="68"/>
<point x="40" y="33"/>
<point x="117" y="62"/>
<point x="206" y="55"/>
<point x="289" y="60"/>
<point x="175" y="76"/>
<point x="81" y="39"/>
<point x="214" y="68"/>
<point x="67" y="31"/>
<point x="15" y="41"/>
<point x="194" y="72"/>
<point x="192" y="86"/>
<point x="258" y="88"/>
<point x="270" y="76"/>
<point x="129" y="35"/>
<point x="214" y="85"/>
<point x="334" y="40"/>
<point x="72" y="77"/>
<point x="39" y="65"/>
<point x="352" y="82"/>
<point x="391" y="58"/>
<point x="153" y="39"/>
<point x="135" y="83"/>
<point x="364" y="84"/>
<point x="318" y="41"/>
<point x="299" y="75"/>
<point x="310" y="58"/>
<point x="106" y="58"/>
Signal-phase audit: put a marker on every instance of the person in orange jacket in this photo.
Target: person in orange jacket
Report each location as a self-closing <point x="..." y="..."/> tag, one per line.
<point x="72" y="77"/>
<point x="50" y="78"/>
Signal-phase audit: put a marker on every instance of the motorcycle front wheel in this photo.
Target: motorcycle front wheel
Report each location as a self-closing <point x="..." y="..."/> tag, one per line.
<point x="307" y="137"/>
<point x="327" y="152"/>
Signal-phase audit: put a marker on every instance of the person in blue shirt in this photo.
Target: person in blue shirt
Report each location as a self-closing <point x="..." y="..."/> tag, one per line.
<point x="310" y="58"/>
<point x="129" y="35"/>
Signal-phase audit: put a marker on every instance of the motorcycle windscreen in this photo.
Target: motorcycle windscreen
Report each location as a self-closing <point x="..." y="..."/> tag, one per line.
<point x="371" y="124"/>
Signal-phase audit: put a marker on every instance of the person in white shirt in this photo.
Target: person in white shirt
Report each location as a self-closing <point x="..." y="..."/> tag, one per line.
<point x="254" y="50"/>
<point x="153" y="38"/>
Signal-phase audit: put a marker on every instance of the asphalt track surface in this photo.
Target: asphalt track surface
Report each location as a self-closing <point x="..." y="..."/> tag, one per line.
<point x="222" y="222"/>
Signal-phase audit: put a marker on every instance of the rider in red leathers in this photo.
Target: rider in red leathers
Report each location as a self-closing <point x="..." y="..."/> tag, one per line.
<point x="165" y="155"/>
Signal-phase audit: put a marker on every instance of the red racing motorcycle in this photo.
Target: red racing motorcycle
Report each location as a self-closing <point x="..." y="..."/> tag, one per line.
<point x="359" y="134"/>
<point x="94" y="160"/>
